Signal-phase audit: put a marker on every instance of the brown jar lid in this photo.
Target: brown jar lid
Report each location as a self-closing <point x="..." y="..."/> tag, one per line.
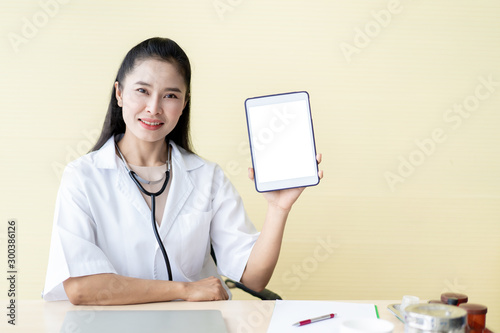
<point x="449" y="298"/>
<point x="475" y="309"/>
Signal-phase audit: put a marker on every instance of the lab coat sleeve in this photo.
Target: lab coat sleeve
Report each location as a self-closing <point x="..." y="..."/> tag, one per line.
<point x="73" y="250"/>
<point x="232" y="233"/>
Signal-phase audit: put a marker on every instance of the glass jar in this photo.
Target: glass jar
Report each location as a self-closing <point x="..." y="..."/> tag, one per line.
<point x="476" y="317"/>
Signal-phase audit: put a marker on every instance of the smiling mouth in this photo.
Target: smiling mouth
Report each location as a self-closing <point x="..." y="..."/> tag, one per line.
<point x="150" y="123"/>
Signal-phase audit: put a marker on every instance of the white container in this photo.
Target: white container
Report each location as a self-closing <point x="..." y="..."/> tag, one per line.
<point x="435" y="318"/>
<point x="407" y="301"/>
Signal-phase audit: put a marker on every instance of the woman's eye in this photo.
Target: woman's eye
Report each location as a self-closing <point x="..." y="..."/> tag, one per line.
<point x="141" y="90"/>
<point x="170" y="96"/>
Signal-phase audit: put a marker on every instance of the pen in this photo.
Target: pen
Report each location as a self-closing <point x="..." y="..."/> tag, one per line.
<point x="313" y="320"/>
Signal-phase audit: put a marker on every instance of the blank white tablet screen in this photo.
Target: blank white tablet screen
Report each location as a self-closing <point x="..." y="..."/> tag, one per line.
<point x="282" y="141"/>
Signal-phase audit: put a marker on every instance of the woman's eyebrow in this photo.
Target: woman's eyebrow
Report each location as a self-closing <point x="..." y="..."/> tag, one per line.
<point x="142" y="83"/>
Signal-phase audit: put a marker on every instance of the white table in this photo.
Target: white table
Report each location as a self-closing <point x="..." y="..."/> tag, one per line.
<point x="240" y="316"/>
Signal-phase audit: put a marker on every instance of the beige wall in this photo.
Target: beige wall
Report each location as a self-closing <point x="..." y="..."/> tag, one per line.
<point x="405" y="98"/>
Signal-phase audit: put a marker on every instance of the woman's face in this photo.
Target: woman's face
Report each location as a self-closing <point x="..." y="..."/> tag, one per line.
<point x="152" y="98"/>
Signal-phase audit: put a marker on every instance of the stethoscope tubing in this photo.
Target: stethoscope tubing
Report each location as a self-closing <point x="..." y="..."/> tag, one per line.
<point x="153" y="196"/>
<point x="153" y="213"/>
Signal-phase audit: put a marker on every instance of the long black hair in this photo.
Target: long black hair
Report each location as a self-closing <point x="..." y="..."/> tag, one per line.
<point x="154" y="48"/>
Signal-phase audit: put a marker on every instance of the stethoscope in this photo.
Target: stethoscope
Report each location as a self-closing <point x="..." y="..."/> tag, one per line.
<point x="138" y="180"/>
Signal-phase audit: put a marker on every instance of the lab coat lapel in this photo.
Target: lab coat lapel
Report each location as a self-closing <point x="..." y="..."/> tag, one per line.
<point x="129" y="190"/>
<point x="108" y="159"/>
<point x="180" y="188"/>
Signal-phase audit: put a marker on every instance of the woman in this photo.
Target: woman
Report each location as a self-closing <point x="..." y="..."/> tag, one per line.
<point x="103" y="249"/>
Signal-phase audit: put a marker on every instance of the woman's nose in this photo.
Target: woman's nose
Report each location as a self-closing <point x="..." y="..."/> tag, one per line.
<point x="154" y="105"/>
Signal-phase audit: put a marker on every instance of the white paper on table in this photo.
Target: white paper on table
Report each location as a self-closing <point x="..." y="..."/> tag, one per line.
<point x="287" y="313"/>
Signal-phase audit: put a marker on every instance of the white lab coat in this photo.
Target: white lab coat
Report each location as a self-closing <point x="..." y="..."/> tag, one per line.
<point x="102" y="224"/>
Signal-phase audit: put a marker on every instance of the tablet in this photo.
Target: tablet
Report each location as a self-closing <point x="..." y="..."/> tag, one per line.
<point x="281" y="136"/>
<point x="124" y="321"/>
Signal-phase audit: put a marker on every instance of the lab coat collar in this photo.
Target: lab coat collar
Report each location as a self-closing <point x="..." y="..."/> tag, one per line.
<point x="180" y="188"/>
<point x="187" y="160"/>
<point x="106" y="157"/>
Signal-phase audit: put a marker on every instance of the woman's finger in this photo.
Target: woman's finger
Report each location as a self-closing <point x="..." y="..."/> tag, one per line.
<point x="250" y="173"/>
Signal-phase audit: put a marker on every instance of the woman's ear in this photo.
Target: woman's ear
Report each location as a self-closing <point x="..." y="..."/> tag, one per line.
<point x="186" y="100"/>
<point x="118" y="94"/>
